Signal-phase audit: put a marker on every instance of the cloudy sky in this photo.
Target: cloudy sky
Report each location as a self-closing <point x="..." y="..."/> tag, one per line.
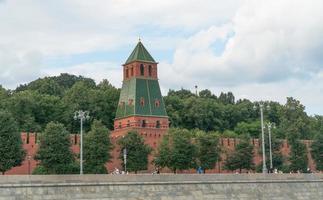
<point x="258" y="49"/>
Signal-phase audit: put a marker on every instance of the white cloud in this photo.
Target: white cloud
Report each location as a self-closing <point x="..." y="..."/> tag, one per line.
<point x="60" y="28"/>
<point x="16" y="68"/>
<point x="267" y="41"/>
<point x="273" y="49"/>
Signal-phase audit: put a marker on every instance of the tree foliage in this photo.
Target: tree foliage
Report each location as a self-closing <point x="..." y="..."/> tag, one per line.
<point x="294" y="121"/>
<point x="253" y="128"/>
<point x="137" y="151"/>
<point x="241" y="157"/>
<point x="11" y="151"/>
<point x="96" y="149"/>
<point x="54" y="153"/>
<point x="176" y="151"/>
<point x="317" y="151"/>
<point x="56" y="98"/>
<point x="298" y="157"/>
<point x="208" y="150"/>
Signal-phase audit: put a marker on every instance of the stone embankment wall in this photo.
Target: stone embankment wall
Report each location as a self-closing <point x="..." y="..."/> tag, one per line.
<point x="164" y="187"/>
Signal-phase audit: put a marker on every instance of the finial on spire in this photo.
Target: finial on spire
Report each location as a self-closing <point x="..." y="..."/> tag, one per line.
<point x="139" y="39"/>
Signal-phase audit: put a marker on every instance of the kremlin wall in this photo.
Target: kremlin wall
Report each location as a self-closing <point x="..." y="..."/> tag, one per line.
<point x="227" y="144"/>
<point x="141" y="108"/>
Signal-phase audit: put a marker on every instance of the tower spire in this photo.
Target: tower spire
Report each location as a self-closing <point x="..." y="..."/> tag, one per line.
<point x="140" y="53"/>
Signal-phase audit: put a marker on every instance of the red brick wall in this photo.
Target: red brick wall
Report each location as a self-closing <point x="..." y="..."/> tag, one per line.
<point x="152" y="137"/>
<point x="135" y="122"/>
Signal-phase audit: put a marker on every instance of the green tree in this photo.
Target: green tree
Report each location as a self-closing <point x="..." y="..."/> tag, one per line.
<point x="317" y="151"/>
<point x="182" y="93"/>
<point x="96" y="149"/>
<point x="55" y="85"/>
<point x="294" y="122"/>
<point x="101" y="101"/>
<point x="45" y="85"/>
<point x="206" y="94"/>
<point x="49" y="108"/>
<point x="137" y="151"/>
<point x="298" y="157"/>
<point x="11" y="151"/>
<point x="227" y="98"/>
<point x="174" y="107"/>
<point x="208" y="150"/>
<point x="3" y="93"/>
<point x="176" y="151"/>
<point x="54" y="153"/>
<point x="23" y="106"/>
<point x="253" y="129"/>
<point x="104" y="103"/>
<point x="77" y="98"/>
<point x="204" y="114"/>
<point x="241" y="157"/>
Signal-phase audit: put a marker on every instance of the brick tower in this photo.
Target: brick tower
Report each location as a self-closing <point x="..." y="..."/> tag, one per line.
<point x="141" y="107"/>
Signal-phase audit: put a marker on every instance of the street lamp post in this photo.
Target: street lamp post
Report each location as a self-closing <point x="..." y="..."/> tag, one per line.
<point x="29" y="159"/>
<point x="125" y="159"/>
<point x="261" y="106"/>
<point x="270" y="125"/>
<point x="82" y="116"/>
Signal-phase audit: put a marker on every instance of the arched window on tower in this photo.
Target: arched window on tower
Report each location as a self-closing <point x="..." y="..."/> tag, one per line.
<point x="142" y="70"/>
<point x="143" y="123"/>
<point x="157" y="103"/>
<point x="149" y="70"/>
<point x="157" y="124"/>
<point x="131" y="71"/>
<point x="130" y="102"/>
<point x="127" y="73"/>
<point x="142" y="101"/>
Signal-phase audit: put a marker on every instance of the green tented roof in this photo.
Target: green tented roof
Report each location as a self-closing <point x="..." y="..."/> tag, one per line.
<point x="140" y="53"/>
<point x="134" y="90"/>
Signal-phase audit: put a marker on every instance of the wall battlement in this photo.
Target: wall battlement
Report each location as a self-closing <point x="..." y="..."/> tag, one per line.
<point x="152" y="138"/>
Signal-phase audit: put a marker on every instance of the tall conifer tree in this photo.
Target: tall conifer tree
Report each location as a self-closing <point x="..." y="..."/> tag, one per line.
<point x="242" y="157"/>
<point x="317" y="151"/>
<point x="11" y="151"/>
<point x="96" y="149"/>
<point x="137" y="151"/>
<point x="54" y="152"/>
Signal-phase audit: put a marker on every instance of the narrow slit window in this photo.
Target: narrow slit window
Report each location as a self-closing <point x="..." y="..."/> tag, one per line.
<point x="127" y="73"/>
<point x="142" y="101"/>
<point x="142" y="70"/>
<point x="149" y="70"/>
<point x="157" y="103"/>
<point x="131" y="71"/>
